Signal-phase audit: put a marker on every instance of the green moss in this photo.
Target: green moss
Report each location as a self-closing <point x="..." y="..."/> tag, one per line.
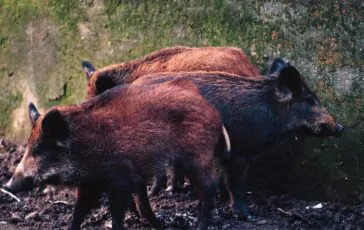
<point x="3" y="40"/>
<point x="17" y="11"/>
<point x="8" y="102"/>
<point x="67" y="13"/>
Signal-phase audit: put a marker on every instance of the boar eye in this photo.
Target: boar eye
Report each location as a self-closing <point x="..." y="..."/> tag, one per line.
<point x="311" y="101"/>
<point x="37" y="152"/>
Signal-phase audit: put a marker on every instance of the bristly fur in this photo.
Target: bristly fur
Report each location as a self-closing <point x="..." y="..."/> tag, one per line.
<point x="115" y="141"/>
<point x="173" y="59"/>
<point x="257" y="114"/>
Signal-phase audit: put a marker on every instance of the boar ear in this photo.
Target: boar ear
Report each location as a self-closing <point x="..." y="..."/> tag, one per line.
<point x="88" y="69"/>
<point x="33" y="113"/>
<point x="289" y="83"/>
<point x="54" y="125"/>
<point x="103" y="83"/>
<point x="277" y="66"/>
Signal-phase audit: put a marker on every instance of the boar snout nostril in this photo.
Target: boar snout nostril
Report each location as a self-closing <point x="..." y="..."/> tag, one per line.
<point x="7" y="186"/>
<point x="16" y="185"/>
<point x="339" y="129"/>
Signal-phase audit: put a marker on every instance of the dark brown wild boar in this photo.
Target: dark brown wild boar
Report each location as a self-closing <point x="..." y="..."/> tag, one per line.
<point x="113" y="142"/>
<point x="173" y="59"/>
<point x="257" y="113"/>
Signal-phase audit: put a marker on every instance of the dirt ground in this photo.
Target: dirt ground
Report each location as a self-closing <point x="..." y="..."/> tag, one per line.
<point x="52" y="208"/>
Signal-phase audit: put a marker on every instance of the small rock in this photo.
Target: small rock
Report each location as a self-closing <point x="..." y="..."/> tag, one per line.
<point x="60" y="202"/>
<point x="3" y="222"/>
<point x="169" y="189"/>
<point x="12" y="149"/>
<point x="297" y="222"/>
<point x="10" y="73"/>
<point x="15" y="218"/>
<point x="108" y="224"/>
<point x="261" y="222"/>
<point x="49" y="190"/>
<point x="32" y="215"/>
<point x="318" y="206"/>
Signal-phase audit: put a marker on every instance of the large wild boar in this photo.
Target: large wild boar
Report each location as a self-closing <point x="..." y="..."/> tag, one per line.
<point x="114" y="141"/>
<point x="257" y="113"/>
<point x="173" y="59"/>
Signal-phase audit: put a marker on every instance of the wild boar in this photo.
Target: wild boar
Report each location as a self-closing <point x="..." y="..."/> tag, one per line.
<point x="172" y="59"/>
<point x="257" y="113"/>
<point x="113" y="142"/>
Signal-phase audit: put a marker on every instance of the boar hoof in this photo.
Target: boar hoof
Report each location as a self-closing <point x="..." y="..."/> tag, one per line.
<point x="241" y="212"/>
<point x="248" y="218"/>
<point x="251" y="218"/>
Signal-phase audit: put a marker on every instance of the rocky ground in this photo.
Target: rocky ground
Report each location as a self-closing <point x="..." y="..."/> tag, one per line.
<point x="51" y="209"/>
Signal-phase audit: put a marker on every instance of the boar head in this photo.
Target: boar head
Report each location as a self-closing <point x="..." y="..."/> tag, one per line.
<point x="302" y="112"/>
<point x="47" y="156"/>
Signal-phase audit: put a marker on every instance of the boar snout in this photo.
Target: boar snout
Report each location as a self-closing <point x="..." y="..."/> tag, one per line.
<point x="338" y="129"/>
<point x="9" y="186"/>
<point x="335" y="130"/>
<point x="19" y="183"/>
<point x="16" y="185"/>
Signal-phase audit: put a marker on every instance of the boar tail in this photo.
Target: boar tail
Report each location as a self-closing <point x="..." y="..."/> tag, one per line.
<point x="227" y="139"/>
<point x="223" y="147"/>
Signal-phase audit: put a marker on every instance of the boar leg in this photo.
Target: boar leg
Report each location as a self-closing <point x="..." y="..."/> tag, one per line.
<point x="235" y="176"/>
<point x="143" y="206"/>
<point x="119" y="201"/>
<point x="205" y="182"/>
<point x="88" y="198"/>
<point x="159" y="182"/>
<point x="177" y="178"/>
<point x="133" y="209"/>
<point x="223" y="191"/>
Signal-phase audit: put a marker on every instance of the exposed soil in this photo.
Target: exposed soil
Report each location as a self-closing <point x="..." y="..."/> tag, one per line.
<point x="52" y="208"/>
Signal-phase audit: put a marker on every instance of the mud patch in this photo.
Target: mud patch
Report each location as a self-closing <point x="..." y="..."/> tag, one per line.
<point x="52" y="209"/>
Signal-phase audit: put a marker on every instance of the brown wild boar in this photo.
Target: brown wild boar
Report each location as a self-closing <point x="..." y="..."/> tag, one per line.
<point x="173" y="59"/>
<point x="257" y="114"/>
<point x="114" y="141"/>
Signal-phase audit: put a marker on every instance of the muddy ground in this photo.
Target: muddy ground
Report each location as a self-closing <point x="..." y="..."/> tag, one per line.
<point x="51" y="209"/>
